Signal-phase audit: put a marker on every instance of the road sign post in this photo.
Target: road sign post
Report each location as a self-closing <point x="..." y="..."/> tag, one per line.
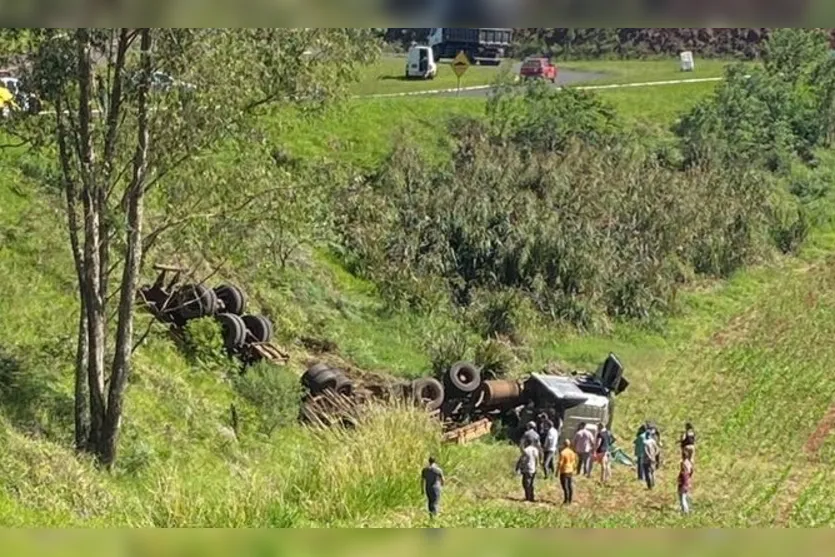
<point x="460" y="65"/>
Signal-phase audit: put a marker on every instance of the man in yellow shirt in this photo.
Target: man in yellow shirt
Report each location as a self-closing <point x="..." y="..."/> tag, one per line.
<point x="567" y="466"/>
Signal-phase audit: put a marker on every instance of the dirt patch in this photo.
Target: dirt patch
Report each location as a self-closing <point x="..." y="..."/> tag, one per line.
<point x="735" y="329"/>
<point x="821" y="433"/>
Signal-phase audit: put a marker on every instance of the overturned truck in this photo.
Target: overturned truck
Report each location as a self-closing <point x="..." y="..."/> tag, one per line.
<point x="468" y="404"/>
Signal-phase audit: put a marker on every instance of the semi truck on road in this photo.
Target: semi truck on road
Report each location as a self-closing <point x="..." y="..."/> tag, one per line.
<point x="482" y="45"/>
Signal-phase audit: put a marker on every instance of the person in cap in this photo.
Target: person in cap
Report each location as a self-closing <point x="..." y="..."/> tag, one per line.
<point x="531" y="436"/>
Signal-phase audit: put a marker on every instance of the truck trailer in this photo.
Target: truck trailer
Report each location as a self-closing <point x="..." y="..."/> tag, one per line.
<point x="483" y="45"/>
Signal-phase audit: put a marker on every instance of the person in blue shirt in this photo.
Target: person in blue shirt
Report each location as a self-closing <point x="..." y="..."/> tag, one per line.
<point x="639" y="451"/>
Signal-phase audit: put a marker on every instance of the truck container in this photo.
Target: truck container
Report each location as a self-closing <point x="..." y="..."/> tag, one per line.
<point x="482" y="45"/>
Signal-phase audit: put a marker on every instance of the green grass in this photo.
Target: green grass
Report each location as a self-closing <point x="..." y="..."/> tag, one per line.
<point x="387" y="76"/>
<point x="659" y="105"/>
<point x="361" y="131"/>
<point x="639" y="71"/>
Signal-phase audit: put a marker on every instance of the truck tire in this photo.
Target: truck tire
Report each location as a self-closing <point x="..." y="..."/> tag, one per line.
<point x="325" y="380"/>
<point x="309" y="376"/>
<point x="233" y="330"/>
<point x="464" y="377"/>
<point x="259" y="327"/>
<point x="232" y="298"/>
<point x="428" y="392"/>
<point x="343" y="386"/>
<point x="193" y="301"/>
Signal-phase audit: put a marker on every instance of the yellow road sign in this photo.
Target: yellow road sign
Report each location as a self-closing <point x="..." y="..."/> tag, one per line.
<point x="460" y="64"/>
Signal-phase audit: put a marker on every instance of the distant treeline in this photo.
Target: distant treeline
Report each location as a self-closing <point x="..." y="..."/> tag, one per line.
<point x="626" y="42"/>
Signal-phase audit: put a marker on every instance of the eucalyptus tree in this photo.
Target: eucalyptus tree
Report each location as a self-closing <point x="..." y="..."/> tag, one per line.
<point x="126" y="111"/>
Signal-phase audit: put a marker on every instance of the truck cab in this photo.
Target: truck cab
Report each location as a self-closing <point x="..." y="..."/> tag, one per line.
<point x="420" y="63"/>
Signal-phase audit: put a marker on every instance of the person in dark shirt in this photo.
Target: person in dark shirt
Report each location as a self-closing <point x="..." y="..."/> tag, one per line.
<point x="688" y="439"/>
<point x="603" y="446"/>
<point x="432" y="479"/>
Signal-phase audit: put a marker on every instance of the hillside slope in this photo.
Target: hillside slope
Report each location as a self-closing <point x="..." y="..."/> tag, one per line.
<point x="747" y="363"/>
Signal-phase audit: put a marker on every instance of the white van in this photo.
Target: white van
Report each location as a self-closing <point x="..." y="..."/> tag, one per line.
<point x="420" y="63"/>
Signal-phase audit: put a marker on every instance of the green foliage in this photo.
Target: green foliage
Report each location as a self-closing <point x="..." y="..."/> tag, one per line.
<point x="766" y="117"/>
<point x="587" y="234"/>
<point x="749" y="120"/>
<point x="445" y="347"/>
<point x="794" y="53"/>
<point x="203" y="345"/>
<point x="506" y="313"/>
<point x="545" y="119"/>
<point x="498" y="358"/>
<point x="275" y="393"/>
<point x="789" y="221"/>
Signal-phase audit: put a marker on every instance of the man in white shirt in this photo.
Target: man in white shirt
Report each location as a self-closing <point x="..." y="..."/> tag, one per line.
<point x="584" y="447"/>
<point x="550" y="450"/>
<point x="526" y="466"/>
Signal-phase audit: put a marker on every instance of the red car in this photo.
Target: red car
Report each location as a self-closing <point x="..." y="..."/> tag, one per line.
<point x="538" y="68"/>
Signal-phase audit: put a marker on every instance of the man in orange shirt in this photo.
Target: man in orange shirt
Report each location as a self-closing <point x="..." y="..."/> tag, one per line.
<point x="567" y="466"/>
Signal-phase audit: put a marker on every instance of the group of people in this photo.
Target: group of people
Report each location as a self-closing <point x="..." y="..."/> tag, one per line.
<point x="539" y="445"/>
<point x="648" y="459"/>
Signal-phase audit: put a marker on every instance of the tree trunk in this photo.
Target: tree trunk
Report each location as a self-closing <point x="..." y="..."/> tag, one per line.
<point x="130" y="275"/>
<point x="91" y="285"/>
<point x="113" y="110"/>
<point x="81" y="407"/>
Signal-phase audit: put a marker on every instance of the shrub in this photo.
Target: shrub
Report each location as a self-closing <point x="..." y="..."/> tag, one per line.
<point x="203" y="344"/>
<point x="767" y="116"/>
<point x="496" y="358"/>
<point x="445" y="348"/>
<point x="543" y="118"/>
<point x="274" y="391"/>
<point x="504" y="313"/>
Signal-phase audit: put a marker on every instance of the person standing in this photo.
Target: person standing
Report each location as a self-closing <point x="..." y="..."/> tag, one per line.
<point x="567" y="466"/>
<point x="685" y="478"/>
<point x="652" y="429"/>
<point x="530" y="437"/>
<point x="688" y="440"/>
<point x="602" y="449"/>
<point x="584" y="446"/>
<point x="432" y="479"/>
<point x="526" y="466"/>
<point x="639" y="451"/>
<point x="542" y="422"/>
<point x="649" y="459"/>
<point x="550" y="451"/>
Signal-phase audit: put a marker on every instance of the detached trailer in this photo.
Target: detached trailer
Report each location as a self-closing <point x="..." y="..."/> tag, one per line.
<point x="482" y="45"/>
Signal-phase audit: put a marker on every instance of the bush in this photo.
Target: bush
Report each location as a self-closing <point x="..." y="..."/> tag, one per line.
<point x="789" y="224"/>
<point x="545" y="119"/>
<point x="496" y="358"/>
<point x="767" y="116"/>
<point x="274" y="391"/>
<point x="584" y="235"/>
<point x="203" y="345"/>
<point x="504" y="313"/>
<point x="445" y="348"/>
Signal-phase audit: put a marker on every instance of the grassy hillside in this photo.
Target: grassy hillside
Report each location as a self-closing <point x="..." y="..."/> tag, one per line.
<point x="746" y="360"/>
